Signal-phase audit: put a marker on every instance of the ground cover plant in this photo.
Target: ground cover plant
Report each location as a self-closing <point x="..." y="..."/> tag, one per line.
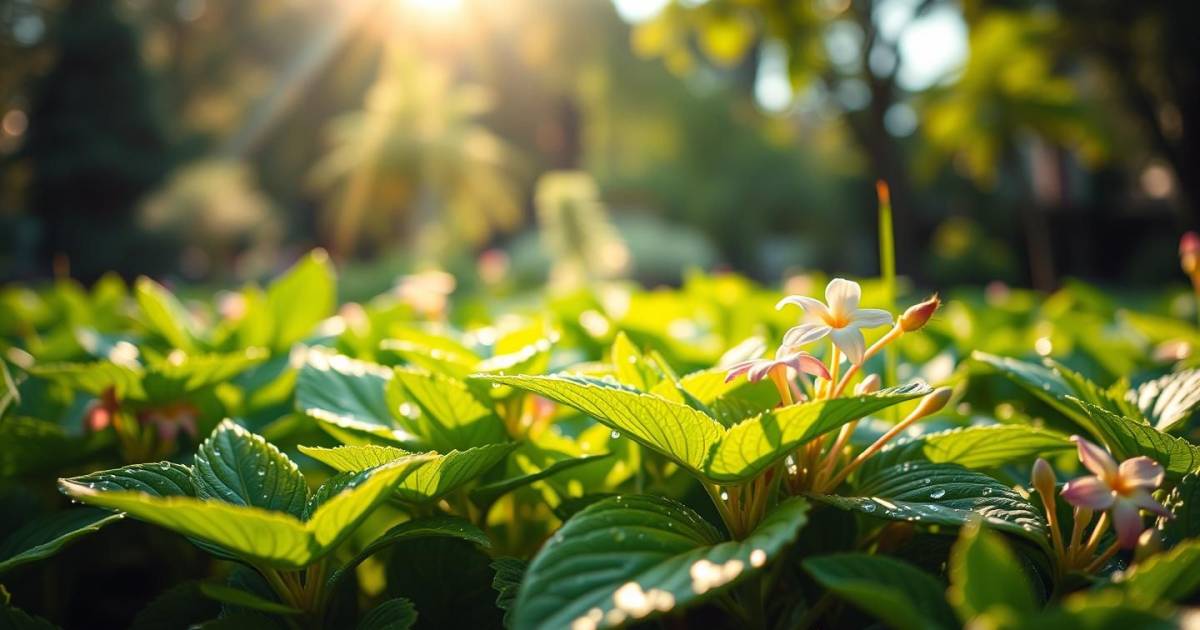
<point x="718" y="455"/>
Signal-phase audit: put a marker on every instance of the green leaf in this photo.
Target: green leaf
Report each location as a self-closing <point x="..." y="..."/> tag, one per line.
<point x="43" y="537"/>
<point x="348" y="397"/>
<point x="181" y="606"/>
<point x="753" y="445"/>
<point x="432" y="527"/>
<point x="450" y="416"/>
<point x="181" y="373"/>
<point x="632" y="558"/>
<point x="487" y="494"/>
<point x="29" y="446"/>
<point x="679" y="432"/>
<point x="96" y="377"/>
<point x="273" y="539"/>
<point x="510" y="572"/>
<point x="987" y="579"/>
<point x="629" y="367"/>
<point x="1169" y="402"/>
<point x="942" y="494"/>
<point x="894" y="592"/>
<point x="394" y="614"/>
<point x="245" y="599"/>
<point x="301" y="298"/>
<point x="1172" y="575"/>
<point x="162" y="479"/>
<point x="988" y="446"/>
<point x="164" y="315"/>
<point x="242" y="468"/>
<point x="1126" y="439"/>
<point x="448" y="580"/>
<point x="438" y="475"/>
<point x="9" y="394"/>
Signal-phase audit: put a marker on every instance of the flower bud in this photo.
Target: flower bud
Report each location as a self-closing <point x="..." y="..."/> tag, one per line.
<point x="1043" y="478"/>
<point x="869" y="385"/>
<point x="932" y="403"/>
<point x="918" y="315"/>
<point x="1189" y="253"/>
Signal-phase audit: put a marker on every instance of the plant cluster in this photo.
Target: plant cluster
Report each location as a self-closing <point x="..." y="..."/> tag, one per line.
<point x="611" y="457"/>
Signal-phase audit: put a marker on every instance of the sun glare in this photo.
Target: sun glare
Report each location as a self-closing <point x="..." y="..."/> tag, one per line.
<point x="440" y="7"/>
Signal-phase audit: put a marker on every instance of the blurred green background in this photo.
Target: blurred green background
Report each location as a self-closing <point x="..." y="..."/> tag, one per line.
<point x="522" y="141"/>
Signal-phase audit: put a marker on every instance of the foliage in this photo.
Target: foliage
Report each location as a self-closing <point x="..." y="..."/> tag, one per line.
<point x="590" y="462"/>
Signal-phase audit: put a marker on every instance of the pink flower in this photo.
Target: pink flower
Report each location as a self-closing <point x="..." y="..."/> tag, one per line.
<point x="758" y="369"/>
<point x="841" y="319"/>
<point x="1123" y="490"/>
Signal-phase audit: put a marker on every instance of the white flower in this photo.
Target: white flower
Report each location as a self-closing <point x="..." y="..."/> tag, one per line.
<point x="841" y="319"/>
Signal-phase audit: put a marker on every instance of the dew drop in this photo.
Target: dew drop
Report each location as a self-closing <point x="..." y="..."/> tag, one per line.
<point x="616" y="435"/>
<point x="869" y="507"/>
<point x="937" y="493"/>
<point x="724" y="496"/>
<point x="164" y="465"/>
<point x="926" y="481"/>
<point x="261" y="472"/>
<point x="987" y="491"/>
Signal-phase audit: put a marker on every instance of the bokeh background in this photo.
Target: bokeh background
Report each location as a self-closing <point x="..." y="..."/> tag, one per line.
<point x="514" y="142"/>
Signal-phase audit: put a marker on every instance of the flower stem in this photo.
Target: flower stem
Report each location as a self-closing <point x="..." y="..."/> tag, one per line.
<point x="875" y="447"/>
<point x="1099" y="562"/>
<point x="891" y="336"/>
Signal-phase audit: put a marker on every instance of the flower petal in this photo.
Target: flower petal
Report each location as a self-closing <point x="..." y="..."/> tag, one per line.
<point x="1141" y="472"/>
<point x="1095" y="458"/>
<point x="738" y="369"/>
<point x="1128" y="523"/>
<point x="871" y="318"/>
<point x="815" y="312"/>
<point x="842" y="296"/>
<point x="805" y="334"/>
<point x="850" y="341"/>
<point x="759" y="370"/>
<point x="807" y="363"/>
<point x="1088" y="492"/>
<point x="1141" y="498"/>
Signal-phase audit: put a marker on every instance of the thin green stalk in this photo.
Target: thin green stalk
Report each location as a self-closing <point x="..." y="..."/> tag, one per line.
<point x="887" y="264"/>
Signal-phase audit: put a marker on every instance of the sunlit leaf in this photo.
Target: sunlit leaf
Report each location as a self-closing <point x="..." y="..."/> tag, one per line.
<point x="633" y="558"/>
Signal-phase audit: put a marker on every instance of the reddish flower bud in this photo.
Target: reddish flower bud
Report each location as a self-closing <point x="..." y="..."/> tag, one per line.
<point x="918" y="315"/>
<point x="1189" y="253"/>
<point x="932" y="403"/>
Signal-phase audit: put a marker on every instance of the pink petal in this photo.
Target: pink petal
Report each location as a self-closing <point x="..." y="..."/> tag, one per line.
<point x="1128" y="523"/>
<point x="737" y="370"/>
<point x="1088" y="492"/>
<point x="759" y="370"/>
<point x="842" y="296"/>
<point x="1141" y="472"/>
<point x="815" y="311"/>
<point x="871" y="318"/>
<point x="1095" y="458"/>
<point x="1141" y="498"/>
<point x="851" y="342"/>
<point x="805" y="334"/>
<point x="807" y="363"/>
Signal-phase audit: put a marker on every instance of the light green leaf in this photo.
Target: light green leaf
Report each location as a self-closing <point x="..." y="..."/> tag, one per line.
<point x="96" y="377"/>
<point x="239" y="467"/>
<point x="301" y="298"/>
<point x="43" y="537"/>
<point x="348" y="397"/>
<point x="434" y="352"/>
<point x="674" y="429"/>
<point x="942" y="494"/>
<point x="632" y="558"/>
<point x="485" y="495"/>
<point x="989" y="446"/>
<point x="273" y="539"/>
<point x="180" y="373"/>
<point x="1126" y="438"/>
<point x="450" y="416"/>
<point x="1169" y="402"/>
<point x="753" y="445"/>
<point x="629" y="367"/>
<point x="164" y="315"/>
<point x="245" y="599"/>
<point x="987" y="579"/>
<point x="894" y="592"/>
<point x="394" y="614"/>
<point x="438" y="475"/>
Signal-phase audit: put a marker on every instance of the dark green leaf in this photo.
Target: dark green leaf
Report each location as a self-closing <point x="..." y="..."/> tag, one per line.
<point x="43" y="537"/>
<point x="245" y="599"/>
<point x="509" y="574"/>
<point x="986" y="579"/>
<point x="394" y="614"/>
<point x="432" y="527"/>
<point x="485" y="495"/>
<point x="242" y="468"/>
<point x="894" y="592"/>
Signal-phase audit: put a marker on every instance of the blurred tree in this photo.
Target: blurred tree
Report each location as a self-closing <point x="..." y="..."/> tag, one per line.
<point x="95" y="145"/>
<point x="415" y="156"/>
